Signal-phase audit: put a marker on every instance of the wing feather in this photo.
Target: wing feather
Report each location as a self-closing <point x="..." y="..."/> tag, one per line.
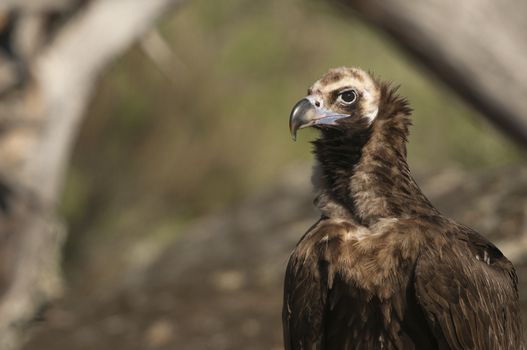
<point x="469" y="295"/>
<point x="309" y="279"/>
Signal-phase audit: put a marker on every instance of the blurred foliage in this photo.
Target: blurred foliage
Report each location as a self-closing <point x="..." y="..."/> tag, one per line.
<point x="158" y="149"/>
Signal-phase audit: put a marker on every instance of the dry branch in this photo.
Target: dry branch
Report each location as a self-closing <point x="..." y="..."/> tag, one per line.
<point x="477" y="47"/>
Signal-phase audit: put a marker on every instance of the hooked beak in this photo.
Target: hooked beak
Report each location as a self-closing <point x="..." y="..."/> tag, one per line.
<point x="305" y="114"/>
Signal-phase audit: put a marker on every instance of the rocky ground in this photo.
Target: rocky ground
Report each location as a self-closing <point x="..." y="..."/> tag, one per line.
<point x="219" y="286"/>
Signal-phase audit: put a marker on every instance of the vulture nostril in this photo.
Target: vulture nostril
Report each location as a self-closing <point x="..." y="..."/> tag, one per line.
<point x="317" y="103"/>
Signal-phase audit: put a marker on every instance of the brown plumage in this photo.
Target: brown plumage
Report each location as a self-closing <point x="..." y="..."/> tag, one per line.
<point x="382" y="268"/>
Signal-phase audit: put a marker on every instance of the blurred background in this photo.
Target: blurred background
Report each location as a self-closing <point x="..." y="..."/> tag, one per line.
<point x="184" y="193"/>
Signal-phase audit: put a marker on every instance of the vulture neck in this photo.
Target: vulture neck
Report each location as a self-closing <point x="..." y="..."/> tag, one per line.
<point x="364" y="174"/>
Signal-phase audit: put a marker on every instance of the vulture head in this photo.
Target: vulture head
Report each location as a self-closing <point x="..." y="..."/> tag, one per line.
<point x="343" y="98"/>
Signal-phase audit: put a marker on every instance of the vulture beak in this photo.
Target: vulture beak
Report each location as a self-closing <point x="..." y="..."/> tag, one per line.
<point x="306" y="113"/>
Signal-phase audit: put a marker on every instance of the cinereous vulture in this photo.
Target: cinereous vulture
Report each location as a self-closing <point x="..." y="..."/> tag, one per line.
<point x="383" y="268"/>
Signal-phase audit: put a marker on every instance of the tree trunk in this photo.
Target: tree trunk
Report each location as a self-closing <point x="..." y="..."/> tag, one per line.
<point x="51" y="53"/>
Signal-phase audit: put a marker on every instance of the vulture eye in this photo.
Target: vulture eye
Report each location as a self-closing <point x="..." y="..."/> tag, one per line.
<point x="347" y="97"/>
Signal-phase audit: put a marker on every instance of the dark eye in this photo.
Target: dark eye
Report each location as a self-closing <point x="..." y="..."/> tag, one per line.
<point x="347" y="97"/>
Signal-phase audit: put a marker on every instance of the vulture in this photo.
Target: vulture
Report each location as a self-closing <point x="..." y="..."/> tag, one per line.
<point x="383" y="268"/>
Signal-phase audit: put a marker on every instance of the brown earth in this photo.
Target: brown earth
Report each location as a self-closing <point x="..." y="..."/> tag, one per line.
<point x="219" y="286"/>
